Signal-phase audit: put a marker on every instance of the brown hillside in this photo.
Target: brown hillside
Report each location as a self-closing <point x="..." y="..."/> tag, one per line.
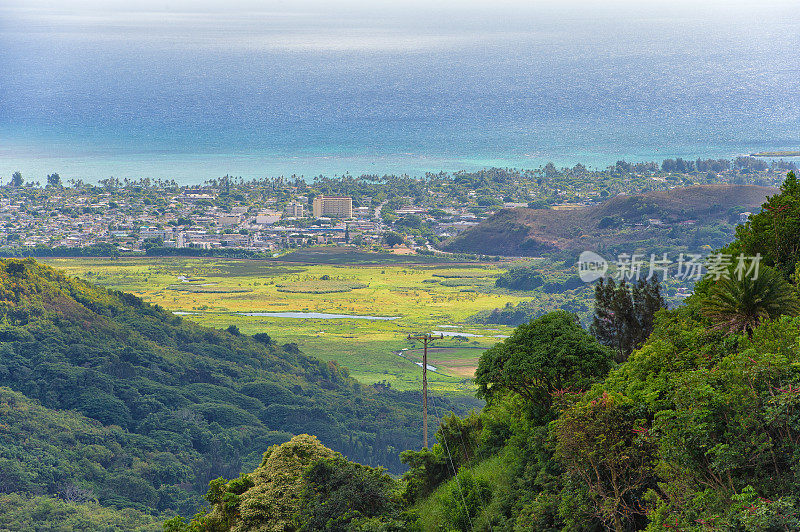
<point x="535" y="232"/>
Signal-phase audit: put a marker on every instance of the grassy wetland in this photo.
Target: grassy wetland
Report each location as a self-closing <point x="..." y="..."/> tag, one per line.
<point x="418" y="299"/>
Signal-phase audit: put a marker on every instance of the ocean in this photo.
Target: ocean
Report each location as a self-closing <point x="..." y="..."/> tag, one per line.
<point x="266" y="89"/>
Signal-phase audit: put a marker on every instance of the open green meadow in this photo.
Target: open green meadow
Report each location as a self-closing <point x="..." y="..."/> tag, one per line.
<point x="419" y="298"/>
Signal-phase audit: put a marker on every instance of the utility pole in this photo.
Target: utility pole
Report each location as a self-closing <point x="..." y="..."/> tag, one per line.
<point x="426" y="338"/>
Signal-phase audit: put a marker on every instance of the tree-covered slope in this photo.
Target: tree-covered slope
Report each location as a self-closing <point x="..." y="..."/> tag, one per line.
<point x="124" y="403"/>
<point x="698" y="429"/>
<point x="301" y="485"/>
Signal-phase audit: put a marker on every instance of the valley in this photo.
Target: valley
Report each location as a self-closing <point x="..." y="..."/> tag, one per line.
<point x="399" y="266"/>
<point x="222" y="293"/>
<point x="356" y="307"/>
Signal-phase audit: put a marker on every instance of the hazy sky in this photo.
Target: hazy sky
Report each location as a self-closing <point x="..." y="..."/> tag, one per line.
<point x="357" y="25"/>
<point x="507" y="11"/>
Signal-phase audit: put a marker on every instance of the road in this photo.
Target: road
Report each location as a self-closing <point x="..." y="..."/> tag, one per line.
<point x="378" y="209"/>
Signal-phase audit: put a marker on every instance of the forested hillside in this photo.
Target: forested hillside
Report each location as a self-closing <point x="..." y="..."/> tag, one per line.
<point x="686" y="418"/>
<point x="686" y="218"/>
<point x="108" y="399"/>
<point x="302" y="485"/>
<point x="696" y="429"/>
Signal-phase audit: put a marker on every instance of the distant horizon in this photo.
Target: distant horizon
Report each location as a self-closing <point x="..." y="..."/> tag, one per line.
<point x="97" y="89"/>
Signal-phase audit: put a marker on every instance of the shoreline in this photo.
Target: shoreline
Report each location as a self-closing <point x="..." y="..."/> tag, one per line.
<point x="197" y="169"/>
<point x="776" y="154"/>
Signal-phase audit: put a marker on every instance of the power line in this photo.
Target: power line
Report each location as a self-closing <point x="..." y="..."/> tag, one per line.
<point x="426" y="338"/>
<point x="453" y="467"/>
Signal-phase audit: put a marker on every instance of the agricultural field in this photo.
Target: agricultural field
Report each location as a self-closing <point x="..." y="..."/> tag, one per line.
<point x="374" y="308"/>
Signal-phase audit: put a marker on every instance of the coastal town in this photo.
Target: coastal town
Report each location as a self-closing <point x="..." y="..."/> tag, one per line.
<point x="132" y="219"/>
<point x="399" y="213"/>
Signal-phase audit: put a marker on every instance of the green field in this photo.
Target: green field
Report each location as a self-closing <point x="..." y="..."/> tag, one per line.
<point x="422" y="297"/>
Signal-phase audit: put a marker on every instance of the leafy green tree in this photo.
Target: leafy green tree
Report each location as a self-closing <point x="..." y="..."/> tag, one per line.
<point x="608" y="446"/>
<point x="19" y="511"/>
<point x="624" y="315"/>
<point x="300" y="485"/>
<point x="267" y="499"/>
<point x="523" y="278"/>
<point x="153" y="242"/>
<point x="774" y="233"/>
<point x="16" y="179"/>
<point x="339" y="494"/>
<point x="392" y="238"/>
<point x="457" y="442"/>
<point x="263" y="338"/>
<point x="464" y="500"/>
<point x="740" y="303"/>
<point x="54" y="180"/>
<point x="546" y="355"/>
<point x="428" y="468"/>
<point x="461" y="436"/>
<point x="730" y="431"/>
<point x="410" y="221"/>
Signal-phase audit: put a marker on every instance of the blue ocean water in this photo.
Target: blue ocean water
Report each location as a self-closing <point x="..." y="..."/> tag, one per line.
<point x="263" y="90"/>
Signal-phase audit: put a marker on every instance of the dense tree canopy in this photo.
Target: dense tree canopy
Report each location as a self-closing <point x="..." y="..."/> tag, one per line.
<point x="772" y="233"/>
<point x="300" y="485"/>
<point x="16" y="179"/>
<point x="697" y="430"/>
<point x="548" y="354"/>
<point x="113" y="400"/>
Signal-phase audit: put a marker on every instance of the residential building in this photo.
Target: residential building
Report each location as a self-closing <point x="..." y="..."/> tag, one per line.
<point x="334" y="206"/>
<point x="295" y="209"/>
<point x="362" y="212"/>
<point x="268" y="217"/>
<point x="229" y="219"/>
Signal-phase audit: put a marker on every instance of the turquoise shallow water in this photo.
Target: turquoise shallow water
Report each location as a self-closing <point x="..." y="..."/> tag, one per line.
<point x="192" y="96"/>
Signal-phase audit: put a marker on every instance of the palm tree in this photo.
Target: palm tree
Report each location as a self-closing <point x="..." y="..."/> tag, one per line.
<point x="741" y="303"/>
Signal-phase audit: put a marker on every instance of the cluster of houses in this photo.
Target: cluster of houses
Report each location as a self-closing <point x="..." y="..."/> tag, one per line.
<point x="191" y="219"/>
